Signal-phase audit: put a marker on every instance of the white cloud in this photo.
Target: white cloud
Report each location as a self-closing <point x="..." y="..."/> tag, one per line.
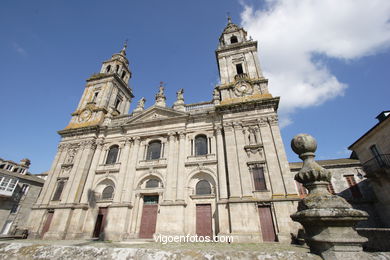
<point x="291" y="32"/>
<point x="19" y="49"/>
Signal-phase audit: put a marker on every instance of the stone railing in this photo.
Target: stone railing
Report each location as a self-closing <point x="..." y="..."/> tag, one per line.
<point x="241" y="76"/>
<point x="199" y="106"/>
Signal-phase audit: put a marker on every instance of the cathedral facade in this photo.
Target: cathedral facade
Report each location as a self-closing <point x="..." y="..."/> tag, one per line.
<point x="210" y="168"/>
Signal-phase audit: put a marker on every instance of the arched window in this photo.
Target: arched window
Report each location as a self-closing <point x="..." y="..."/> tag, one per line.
<point x="123" y="74"/>
<point x="233" y="39"/>
<point x="200" y="145"/>
<point x="154" y="150"/>
<point x="108" y="68"/>
<point x="203" y="187"/>
<point x="152" y="183"/>
<point x="112" y="154"/>
<point x="58" y="192"/>
<point x="117" y="68"/>
<point x="107" y="193"/>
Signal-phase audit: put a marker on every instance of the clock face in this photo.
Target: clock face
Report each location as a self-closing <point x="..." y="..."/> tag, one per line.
<point x="85" y="115"/>
<point x="242" y="89"/>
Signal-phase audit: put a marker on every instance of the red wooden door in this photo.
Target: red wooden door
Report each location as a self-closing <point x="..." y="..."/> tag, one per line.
<point x="47" y="223"/>
<point x="100" y="222"/>
<point x="266" y="223"/>
<point x="149" y="217"/>
<point x="203" y="220"/>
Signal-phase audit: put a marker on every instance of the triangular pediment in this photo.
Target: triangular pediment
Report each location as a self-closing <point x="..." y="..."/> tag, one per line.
<point x="155" y="113"/>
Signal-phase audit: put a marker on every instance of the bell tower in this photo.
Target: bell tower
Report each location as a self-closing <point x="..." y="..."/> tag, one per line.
<point x="106" y="94"/>
<point x="239" y="68"/>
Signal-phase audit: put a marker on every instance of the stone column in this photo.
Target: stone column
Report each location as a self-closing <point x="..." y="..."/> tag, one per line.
<point x="171" y="169"/>
<point x="124" y="159"/>
<point x="78" y="176"/>
<point x="181" y="175"/>
<point x="271" y="160"/>
<point x="51" y="182"/>
<point x="88" y="193"/>
<point x="328" y="219"/>
<point x="222" y="189"/>
<point x="232" y="162"/>
<point x="131" y="172"/>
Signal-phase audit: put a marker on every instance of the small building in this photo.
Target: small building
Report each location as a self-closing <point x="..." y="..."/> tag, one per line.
<point x="19" y="190"/>
<point x="373" y="151"/>
<point x="349" y="182"/>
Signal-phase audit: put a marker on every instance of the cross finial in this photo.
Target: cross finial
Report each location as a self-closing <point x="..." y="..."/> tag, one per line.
<point x="161" y="83"/>
<point x="125" y="45"/>
<point x="229" y="17"/>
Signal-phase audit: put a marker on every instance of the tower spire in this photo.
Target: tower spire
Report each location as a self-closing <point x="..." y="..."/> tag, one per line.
<point x="229" y="18"/>
<point x="123" y="51"/>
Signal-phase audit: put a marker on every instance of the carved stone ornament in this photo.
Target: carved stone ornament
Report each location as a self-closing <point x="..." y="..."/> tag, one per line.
<point x="243" y="88"/>
<point x="70" y="156"/>
<point x="328" y="219"/>
<point x="85" y="115"/>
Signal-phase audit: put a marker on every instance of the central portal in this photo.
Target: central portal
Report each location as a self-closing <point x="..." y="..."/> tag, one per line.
<point x="149" y="217"/>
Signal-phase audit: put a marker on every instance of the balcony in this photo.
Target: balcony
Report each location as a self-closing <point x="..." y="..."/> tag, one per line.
<point x="241" y="76"/>
<point x="377" y="165"/>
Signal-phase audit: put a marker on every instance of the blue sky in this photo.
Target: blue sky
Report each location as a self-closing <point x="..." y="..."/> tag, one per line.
<point x="49" y="48"/>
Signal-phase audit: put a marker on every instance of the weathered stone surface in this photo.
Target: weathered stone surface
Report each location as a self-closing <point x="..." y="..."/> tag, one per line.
<point x="328" y="219"/>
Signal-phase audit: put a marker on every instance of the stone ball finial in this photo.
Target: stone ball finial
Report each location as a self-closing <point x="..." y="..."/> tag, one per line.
<point x="303" y="143"/>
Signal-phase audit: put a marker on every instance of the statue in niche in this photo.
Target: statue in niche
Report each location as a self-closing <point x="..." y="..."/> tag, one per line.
<point x="71" y="155"/>
<point x="252" y="136"/>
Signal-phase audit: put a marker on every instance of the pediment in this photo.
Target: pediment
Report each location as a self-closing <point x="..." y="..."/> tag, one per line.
<point x="155" y="113"/>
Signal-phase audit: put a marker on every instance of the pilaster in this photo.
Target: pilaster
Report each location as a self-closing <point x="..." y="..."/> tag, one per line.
<point x="222" y="189"/>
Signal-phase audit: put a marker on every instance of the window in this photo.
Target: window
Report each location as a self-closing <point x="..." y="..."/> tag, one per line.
<point x="258" y="178"/>
<point x="112" y="154"/>
<point x="377" y="155"/>
<point x="239" y="68"/>
<point x="353" y="187"/>
<point x="233" y="39"/>
<point x="95" y="96"/>
<point x="24" y="189"/>
<point x="107" y="193"/>
<point x="154" y="150"/>
<point x="123" y="74"/>
<point x="9" y="167"/>
<point x="2" y="166"/>
<point x="108" y="68"/>
<point x="200" y="145"/>
<point x="117" y="102"/>
<point x="203" y="187"/>
<point x="8" y="184"/>
<point x="152" y="183"/>
<point x="15" y="208"/>
<point x="117" y="68"/>
<point x="58" y="192"/>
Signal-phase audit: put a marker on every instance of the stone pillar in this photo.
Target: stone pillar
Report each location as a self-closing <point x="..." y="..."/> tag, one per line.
<point x="222" y="189"/>
<point x="171" y="169"/>
<point x="124" y="159"/>
<point x="78" y="176"/>
<point x="131" y="172"/>
<point x="328" y="219"/>
<point x="51" y="182"/>
<point x="232" y="162"/>
<point x="181" y="176"/>
<point x="271" y="160"/>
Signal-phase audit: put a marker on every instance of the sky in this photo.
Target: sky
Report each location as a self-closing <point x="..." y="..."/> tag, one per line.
<point x="328" y="61"/>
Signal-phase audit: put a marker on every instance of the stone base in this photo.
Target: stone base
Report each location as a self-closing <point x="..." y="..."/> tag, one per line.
<point x="246" y="237"/>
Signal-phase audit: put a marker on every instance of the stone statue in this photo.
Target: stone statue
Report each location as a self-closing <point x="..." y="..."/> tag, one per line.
<point x="179" y="103"/>
<point x="160" y="97"/>
<point x="328" y="219"/>
<point x="140" y="106"/>
<point x="179" y="94"/>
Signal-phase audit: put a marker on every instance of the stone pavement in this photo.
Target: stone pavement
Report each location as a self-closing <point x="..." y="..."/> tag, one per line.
<point x="145" y="250"/>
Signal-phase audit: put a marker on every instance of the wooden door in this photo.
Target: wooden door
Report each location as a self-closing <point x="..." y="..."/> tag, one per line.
<point x="203" y="220"/>
<point x="266" y="223"/>
<point x="149" y="217"/>
<point x="100" y="222"/>
<point x="47" y="223"/>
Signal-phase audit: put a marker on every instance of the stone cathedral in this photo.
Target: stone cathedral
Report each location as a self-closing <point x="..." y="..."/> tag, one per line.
<point x="210" y="168"/>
